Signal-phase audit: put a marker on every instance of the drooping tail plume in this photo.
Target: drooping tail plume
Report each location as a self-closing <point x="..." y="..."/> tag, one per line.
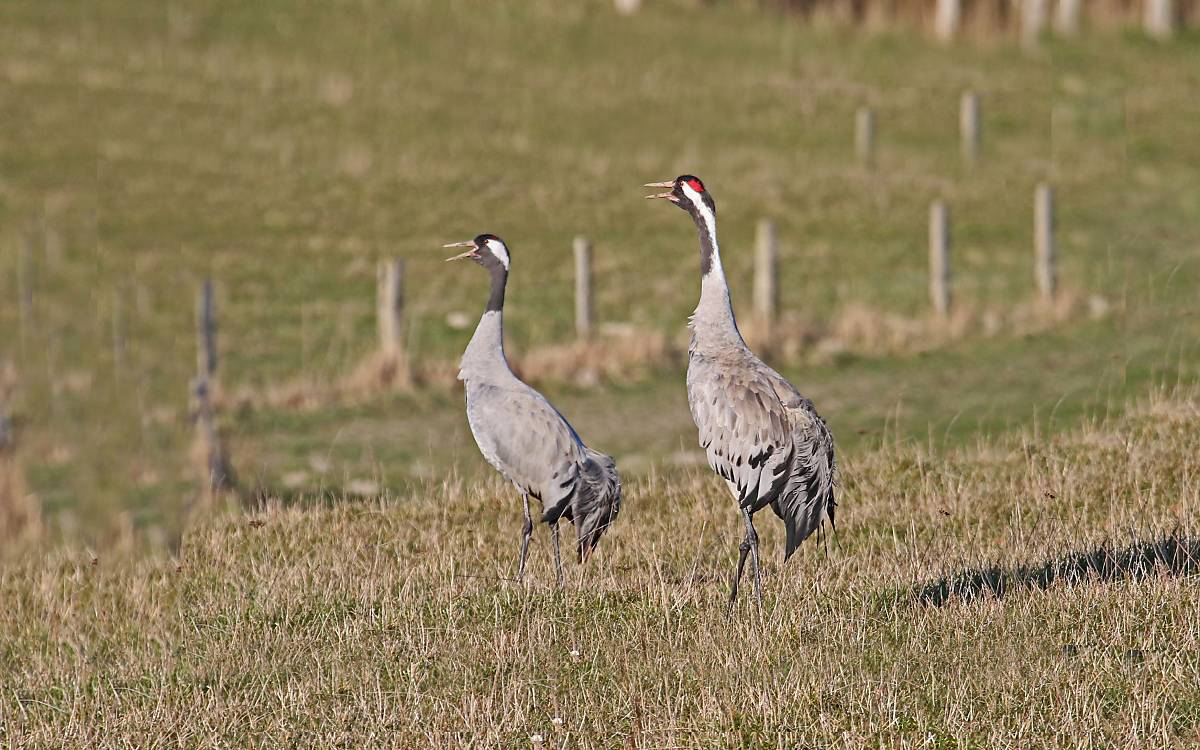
<point x="596" y="502"/>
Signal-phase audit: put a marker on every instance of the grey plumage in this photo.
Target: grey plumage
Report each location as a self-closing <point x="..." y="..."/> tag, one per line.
<point x="524" y="437"/>
<point x="766" y="440"/>
<point x="533" y="446"/>
<point x="760" y="435"/>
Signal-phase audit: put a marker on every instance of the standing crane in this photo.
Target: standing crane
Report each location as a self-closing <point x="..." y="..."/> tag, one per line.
<point x="761" y="436"/>
<point x="525" y="438"/>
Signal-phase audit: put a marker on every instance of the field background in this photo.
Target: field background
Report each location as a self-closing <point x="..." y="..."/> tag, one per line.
<point x="283" y="148"/>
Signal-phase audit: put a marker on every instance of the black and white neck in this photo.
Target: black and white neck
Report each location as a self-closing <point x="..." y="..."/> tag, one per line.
<point x="484" y="357"/>
<point x="499" y="274"/>
<point x="713" y="324"/>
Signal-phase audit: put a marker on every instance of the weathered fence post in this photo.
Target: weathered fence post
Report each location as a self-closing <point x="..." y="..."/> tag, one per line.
<point x="118" y="335"/>
<point x="864" y="136"/>
<point x="584" y="307"/>
<point x="766" y="269"/>
<point x="947" y="19"/>
<point x="968" y="126"/>
<point x="20" y="515"/>
<point x="1043" y="240"/>
<point x="1033" y="21"/>
<point x="206" y="332"/>
<point x="389" y="307"/>
<point x="25" y="284"/>
<point x="211" y="452"/>
<point x="1066" y="17"/>
<point x="939" y="257"/>
<point x="1158" y="18"/>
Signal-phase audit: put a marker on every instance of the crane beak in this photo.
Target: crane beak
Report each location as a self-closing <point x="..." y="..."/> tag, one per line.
<point x="472" y="253"/>
<point x="668" y="195"/>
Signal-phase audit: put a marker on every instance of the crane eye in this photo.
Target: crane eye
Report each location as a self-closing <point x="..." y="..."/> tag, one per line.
<point x="696" y="185"/>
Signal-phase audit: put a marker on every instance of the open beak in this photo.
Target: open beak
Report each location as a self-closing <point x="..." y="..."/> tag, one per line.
<point x="668" y="195"/>
<point x="472" y="253"/>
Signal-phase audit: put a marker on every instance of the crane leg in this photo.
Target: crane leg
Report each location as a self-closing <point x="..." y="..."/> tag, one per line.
<point x="557" y="554"/>
<point x="525" y="534"/>
<point x="752" y="538"/>
<point x="743" y="550"/>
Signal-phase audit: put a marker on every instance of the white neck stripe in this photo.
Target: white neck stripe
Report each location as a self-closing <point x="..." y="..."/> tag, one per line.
<point x="698" y="201"/>
<point x="710" y="219"/>
<point x="500" y="251"/>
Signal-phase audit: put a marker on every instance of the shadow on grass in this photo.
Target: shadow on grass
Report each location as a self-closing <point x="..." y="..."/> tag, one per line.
<point x="1176" y="555"/>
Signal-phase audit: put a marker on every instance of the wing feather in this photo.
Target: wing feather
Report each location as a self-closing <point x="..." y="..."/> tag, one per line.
<point x="766" y="440"/>
<point x="594" y="504"/>
<point x="524" y="438"/>
<point x="743" y="428"/>
<point x="528" y="441"/>
<point x="808" y="497"/>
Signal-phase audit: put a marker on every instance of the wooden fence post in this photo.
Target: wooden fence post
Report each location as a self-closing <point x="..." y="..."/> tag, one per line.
<point x="1066" y="17"/>
<point x="766" y="270"/>
<point x="1043" y="240"/>
<point x="25" y="284"/>
<point x="864" y="136"/>
<point x="1158" y="18"/>
<point x="584" y="307"/>
<point x="20" y="512"/>
<point x="6" y="430"/>
<point x="389" y="307"/>
<point x="1033" y="21"/>
<point x="118" y="335"/>
<point x="216" y="462"/>
<point x="947" y="19"/>
<point x="968" y="126"/>
<point x="10" y="521"/>
<point x="939" y="257"/>
<point x="206" y="332"/>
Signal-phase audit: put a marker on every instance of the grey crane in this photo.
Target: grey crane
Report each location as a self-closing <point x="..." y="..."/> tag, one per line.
<point x="761" y="436"/>
<point x="525" y="438"/>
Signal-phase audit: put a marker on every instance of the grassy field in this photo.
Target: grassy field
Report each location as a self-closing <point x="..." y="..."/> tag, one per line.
<point x="284" y="147"/>
<point x="1025" y="592"/>
<point x="1018" y="542"/>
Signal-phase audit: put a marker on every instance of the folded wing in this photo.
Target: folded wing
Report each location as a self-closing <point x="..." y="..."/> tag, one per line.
<point x="528" y="441"/>
<point x="744" y="429"/>
<point x="808" y="496"/>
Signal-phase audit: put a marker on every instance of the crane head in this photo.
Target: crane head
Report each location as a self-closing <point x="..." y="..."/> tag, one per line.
<point x="687" y="192"/>
<point x="487" y="250"/>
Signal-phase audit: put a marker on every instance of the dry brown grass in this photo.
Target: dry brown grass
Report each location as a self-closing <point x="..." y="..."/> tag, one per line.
<point x="1026" y="593"/>
<point x="623" y="352"/>
<point x="867" y="330"/>
<point x="379" y="372"/>
<point x="20" y="511"/>
<point x="376" y="373"/>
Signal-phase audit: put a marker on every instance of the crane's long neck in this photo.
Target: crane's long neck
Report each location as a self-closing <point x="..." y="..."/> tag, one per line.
<point x="713" y="325"/>
<point x="484" y="357"/>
